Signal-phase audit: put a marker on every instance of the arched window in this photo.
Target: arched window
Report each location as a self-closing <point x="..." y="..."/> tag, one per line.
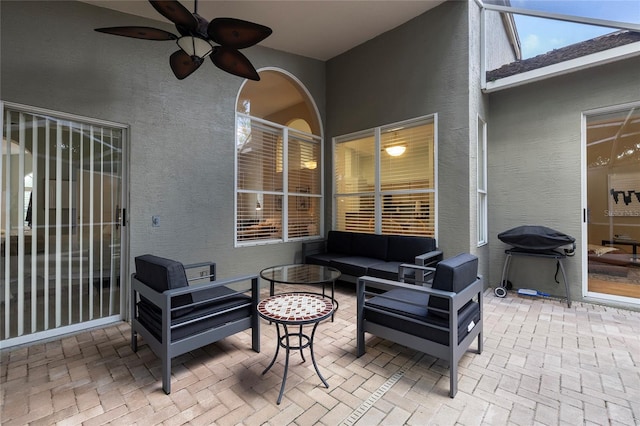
<point x="278" y="161"/>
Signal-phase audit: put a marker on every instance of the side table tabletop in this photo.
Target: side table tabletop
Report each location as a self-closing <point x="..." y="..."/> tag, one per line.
<point x="299" y="309"/>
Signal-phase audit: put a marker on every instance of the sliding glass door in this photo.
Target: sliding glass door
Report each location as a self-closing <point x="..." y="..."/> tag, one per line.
<point x="613" y="203"/>
<point x="62" y="204"/>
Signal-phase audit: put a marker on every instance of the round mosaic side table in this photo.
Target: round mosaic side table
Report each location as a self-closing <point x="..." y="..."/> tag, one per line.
<point x="295" y="309"/>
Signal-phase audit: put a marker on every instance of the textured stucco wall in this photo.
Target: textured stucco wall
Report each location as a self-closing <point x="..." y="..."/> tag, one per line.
<point x="417" y="69"/>
<point x="181" y="132"/>
<point x="499" y="50"/>
<point x="535" y="174"/>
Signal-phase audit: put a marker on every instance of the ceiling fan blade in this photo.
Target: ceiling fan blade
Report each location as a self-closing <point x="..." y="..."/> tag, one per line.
<point x="233" y="62"/>
<point x="183" y="65"/>
<point x="146" y="33"/>
<point x="175" y="12"/>
<point x="236" y="33"/>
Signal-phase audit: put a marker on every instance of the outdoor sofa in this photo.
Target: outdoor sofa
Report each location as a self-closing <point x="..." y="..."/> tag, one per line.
<point x="356" y="254"/>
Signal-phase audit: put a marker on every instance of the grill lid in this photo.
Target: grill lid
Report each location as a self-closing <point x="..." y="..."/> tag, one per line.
<point x="536" y="238"/>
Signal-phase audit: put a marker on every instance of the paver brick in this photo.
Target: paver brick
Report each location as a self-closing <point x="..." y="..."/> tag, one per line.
<point x="311" y="415"/>
<point x="543" y="363"/>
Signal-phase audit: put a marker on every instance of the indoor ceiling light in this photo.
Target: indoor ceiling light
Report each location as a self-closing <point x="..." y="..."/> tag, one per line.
<point x="396" y="150"/>
<point x="195" y="46"/>
<point x="311" y="164"/>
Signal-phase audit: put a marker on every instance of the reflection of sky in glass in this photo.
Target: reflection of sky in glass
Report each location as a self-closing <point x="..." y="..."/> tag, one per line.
<point x="539" y="35"/>
<point x="612" y="10"/>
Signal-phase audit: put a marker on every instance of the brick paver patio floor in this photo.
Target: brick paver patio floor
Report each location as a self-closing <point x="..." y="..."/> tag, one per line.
<point x="543" y="364"/>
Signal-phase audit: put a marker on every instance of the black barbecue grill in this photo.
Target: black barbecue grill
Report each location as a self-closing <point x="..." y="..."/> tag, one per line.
<point x="536" y="241"/>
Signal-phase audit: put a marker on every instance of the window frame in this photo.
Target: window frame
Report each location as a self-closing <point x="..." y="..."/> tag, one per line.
<point x="481" y="178"/>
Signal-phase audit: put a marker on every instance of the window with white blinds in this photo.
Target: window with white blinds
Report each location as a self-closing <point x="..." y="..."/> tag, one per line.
<point x="385" y="179"/>
<point x="483" y="227"/>
<point x="278" y="161"/>
<point x="276" y="200"/>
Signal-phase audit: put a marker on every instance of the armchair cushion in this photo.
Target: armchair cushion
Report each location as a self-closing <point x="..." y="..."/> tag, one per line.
<point x="454" y="275"/>
<point x="404" y="309"/>
<point x="218" y="306"/>
<point x="161" y="275"/>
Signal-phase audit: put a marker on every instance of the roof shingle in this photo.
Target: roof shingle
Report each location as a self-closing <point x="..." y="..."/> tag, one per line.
<point x="577" y="50"/>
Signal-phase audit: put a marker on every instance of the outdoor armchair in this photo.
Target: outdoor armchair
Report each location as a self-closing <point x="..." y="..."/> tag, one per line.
<point x="442" y="320"/>
<point x="174" y="317"/>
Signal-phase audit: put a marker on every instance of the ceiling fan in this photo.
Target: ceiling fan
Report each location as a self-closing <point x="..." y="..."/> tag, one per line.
<point x="196" y="39"/>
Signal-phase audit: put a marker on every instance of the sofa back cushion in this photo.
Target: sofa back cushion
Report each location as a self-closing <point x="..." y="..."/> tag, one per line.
<point x="404" y="248"/>
<point x="454" y="275"/>
<point x="161" y="275"/>
<point x="339" y="242"/>
<point x="369" y="245"/>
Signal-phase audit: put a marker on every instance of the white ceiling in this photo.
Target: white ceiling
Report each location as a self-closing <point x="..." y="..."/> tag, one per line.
<point x="311" y="28"/>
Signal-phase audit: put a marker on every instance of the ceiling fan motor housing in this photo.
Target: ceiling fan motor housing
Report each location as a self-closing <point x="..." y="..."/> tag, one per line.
<point x="199" y="31"/>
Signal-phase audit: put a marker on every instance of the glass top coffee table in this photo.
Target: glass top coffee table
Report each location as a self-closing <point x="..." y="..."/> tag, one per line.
<point x="302" y="274"/>
<point x="295" y="309"/>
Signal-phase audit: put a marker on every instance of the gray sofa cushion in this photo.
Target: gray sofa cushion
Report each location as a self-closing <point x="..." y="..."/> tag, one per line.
<point x="323" y="259"/>
<point x="453" y="274"/>
<point x="163" y="274"/>
<point x="404" y="248"/>
<point x="339" y="242"/>
<point x="370" y="245"/>
<point x="354" y="265"/>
